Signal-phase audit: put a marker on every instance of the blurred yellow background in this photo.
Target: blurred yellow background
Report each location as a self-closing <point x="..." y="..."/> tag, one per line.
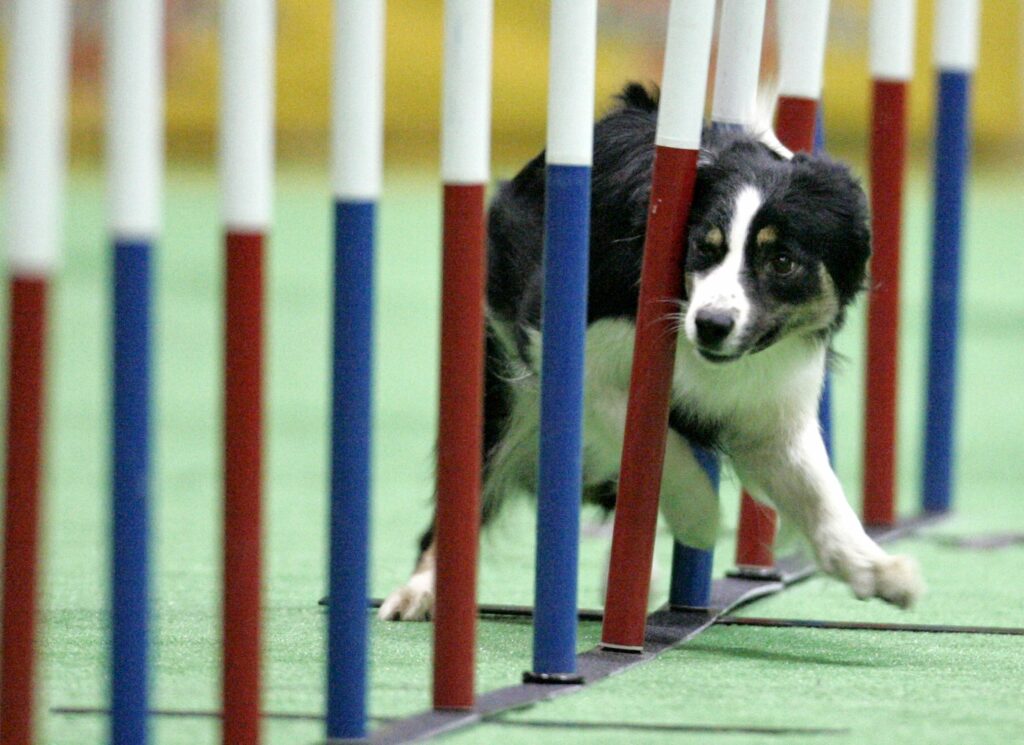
<point x="631" y="35"/>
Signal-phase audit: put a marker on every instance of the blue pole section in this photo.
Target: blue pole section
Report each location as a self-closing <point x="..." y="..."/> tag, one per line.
<point x="347" y="623"/>
<point x="825" y="407"/>
<point x="564" y="323"/>
<point x="690" y="586"/>
<point x="951" y="161"/>
<point x="130" y="486"/>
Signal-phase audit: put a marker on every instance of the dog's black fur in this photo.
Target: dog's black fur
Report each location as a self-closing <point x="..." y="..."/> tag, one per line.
<point x="796" y="283"/>
<point x="814" y="192"/>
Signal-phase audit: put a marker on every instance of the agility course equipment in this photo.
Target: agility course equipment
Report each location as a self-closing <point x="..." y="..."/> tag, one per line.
<point x="37" y="88"/>
<point x="956" y="56"/>
<point x="356" y="166"/>
<point x="566" y="259"/>
<point x="677" y="142"/>
<point x="247" y="163"/>
<point x="135" y="152"/>
<point x="891" y="37"/>
<point x="803" y="32"/>
<point x="465" y="165"/>
<point x="135" y="166"/>
<point x="734" y="106"/>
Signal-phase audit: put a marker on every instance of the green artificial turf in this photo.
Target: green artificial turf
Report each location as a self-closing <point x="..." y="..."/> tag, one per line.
<point x="869" y="686"/>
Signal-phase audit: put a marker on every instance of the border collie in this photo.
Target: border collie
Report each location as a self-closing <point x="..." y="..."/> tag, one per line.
<point x="777" y="251"/>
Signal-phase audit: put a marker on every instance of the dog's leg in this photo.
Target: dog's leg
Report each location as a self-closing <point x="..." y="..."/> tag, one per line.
<point x="797" y="477"/>
<point x="688" y="501"/>
<point x="414" y="601"/>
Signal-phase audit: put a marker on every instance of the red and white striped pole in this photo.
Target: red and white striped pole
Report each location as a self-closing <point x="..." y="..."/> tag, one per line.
<point x="37" y="87"/>
<point x="892" y="67"/>
<point x="803" y="29"/>
<point x="465" y="169"/>
<point x="677" y="144"/>
<point x="247" y="163"/>
<point x="803" y="34"/>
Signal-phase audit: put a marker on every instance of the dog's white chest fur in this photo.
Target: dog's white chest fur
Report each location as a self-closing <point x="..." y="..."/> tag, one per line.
<point x="753" y="398"/>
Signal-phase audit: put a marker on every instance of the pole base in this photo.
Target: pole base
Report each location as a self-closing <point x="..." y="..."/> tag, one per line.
<point x="690" y="608"/>
<point x="755" y="572"/>
<point x="553" y="678"/>
<point x="609" y="647"/>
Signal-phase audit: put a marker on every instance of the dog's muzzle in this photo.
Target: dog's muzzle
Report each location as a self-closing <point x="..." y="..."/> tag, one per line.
<point x="713" y="327"/>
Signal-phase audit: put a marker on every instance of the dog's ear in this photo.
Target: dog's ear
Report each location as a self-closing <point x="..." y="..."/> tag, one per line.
<point x="832" y="209"/>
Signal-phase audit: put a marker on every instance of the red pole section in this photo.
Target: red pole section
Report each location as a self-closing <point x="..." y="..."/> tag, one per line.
<point x="35" y="149"/>
<point x="891" y="35"/>
<point x="680" y="121"/>
<point x="755" y="536"/>
<point x="888" y="154"/>
<point x="465" y="169"/>
<point x="21" y="516"/>
<point x="460" y="445"/>
<point x="247" y="166"/>
<point x="643" y="452"/>
<point x="794" y="123"/>
<point x="243" y="437"/>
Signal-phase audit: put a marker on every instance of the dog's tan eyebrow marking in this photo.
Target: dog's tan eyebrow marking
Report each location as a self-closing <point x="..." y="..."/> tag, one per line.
<point x="714" y="237"/>
<point x="767" y="234"/>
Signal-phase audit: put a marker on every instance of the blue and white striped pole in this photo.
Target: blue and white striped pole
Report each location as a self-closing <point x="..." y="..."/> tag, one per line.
<point x="733" y="106"/>
<point x="956" y="52"/>
<point x="357" y="146"/>
<point x="135" y="168"/>
<point x="564" y="323"/>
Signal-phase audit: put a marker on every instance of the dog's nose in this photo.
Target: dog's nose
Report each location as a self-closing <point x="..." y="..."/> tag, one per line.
<point x="713" y="326"/>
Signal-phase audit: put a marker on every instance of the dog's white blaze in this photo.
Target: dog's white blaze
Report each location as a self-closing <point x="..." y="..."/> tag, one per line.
<point x="721" y="288"/>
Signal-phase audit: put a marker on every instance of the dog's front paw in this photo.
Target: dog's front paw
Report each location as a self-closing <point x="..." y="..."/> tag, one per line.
<point x="413" y="601"/>
<point x="894" y="579"/>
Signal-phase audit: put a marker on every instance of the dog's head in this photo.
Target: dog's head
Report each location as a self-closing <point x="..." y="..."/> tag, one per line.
<point x="777" y="247"/>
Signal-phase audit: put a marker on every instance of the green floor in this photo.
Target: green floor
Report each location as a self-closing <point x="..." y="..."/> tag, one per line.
<point x="841" y="686"/>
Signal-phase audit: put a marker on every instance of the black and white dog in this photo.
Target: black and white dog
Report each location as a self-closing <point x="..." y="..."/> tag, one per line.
<point x="778" y="246"/>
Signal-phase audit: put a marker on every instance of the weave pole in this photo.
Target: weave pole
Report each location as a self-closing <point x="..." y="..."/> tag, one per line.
<point x="956" y="31"/>
<point x="690" y="583"/>
<point x="357" y="126"/>
<point x="892" y="67"/>
<point x="733" y="107"/>
<point x="465" y="168"/>
<point x="37" y="87"/>
<point x="135" y="171"/>
<point x="802" y="34"/>
<point x="246" y="161"/>
<point x="566" y="260"/>
<point x="677" y="143"/>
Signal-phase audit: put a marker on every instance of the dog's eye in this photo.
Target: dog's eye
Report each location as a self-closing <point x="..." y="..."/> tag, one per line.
<point x="782" y="265"/>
